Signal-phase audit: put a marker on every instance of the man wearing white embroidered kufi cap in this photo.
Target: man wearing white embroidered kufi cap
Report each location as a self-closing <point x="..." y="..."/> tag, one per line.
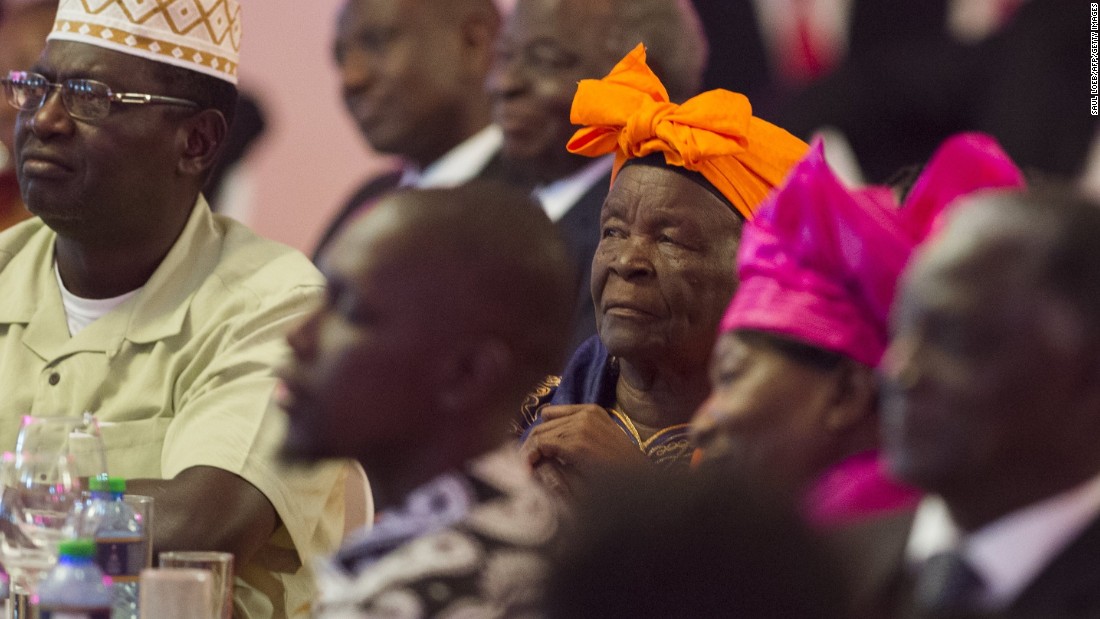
<point x="127" y="298"/>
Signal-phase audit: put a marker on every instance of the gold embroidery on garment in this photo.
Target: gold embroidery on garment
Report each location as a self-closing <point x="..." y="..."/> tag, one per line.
<point x="630" y="428"/>
<point x="675" y="450"/>
<point x="529" y="410"/>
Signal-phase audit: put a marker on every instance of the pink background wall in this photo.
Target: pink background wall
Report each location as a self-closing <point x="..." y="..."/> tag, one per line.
<point x="311" y="157"/>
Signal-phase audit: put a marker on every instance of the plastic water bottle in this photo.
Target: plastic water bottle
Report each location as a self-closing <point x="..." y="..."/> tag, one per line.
<point x="120" y="544"/>
<point x="75" y="588"/>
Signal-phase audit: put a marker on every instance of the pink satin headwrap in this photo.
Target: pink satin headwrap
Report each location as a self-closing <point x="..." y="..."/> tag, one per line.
<point x="820" y="262"/>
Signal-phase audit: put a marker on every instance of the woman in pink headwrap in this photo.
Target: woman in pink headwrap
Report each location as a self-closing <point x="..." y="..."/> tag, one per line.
<point x="794" y="393"/>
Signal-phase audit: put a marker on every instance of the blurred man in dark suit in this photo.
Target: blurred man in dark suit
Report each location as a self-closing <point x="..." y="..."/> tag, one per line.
<point x="413" y="75"/>
<point x="992" y="405"/>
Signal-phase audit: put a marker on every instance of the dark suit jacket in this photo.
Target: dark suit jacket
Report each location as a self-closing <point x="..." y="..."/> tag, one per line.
<point x="580" y="228"/>
<point x="873" y="553"/>
<point x="377" y="187"/>
<point x="369" y="191"/>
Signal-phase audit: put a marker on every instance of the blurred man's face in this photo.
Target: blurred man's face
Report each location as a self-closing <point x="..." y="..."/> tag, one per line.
<point x="545" y="49"/>
<point x="359" y="383"/>
<point x="402" y="75"/>
<point x="975" y="383"/>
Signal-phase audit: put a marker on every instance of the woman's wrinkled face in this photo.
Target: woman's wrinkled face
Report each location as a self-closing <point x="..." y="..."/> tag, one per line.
<point x="663" y="272"/>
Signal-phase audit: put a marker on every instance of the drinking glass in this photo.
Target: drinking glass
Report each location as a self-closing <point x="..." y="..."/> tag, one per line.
<point x="77" y="438"/>
<point x="41" y="504"/>
<point x="220" y="566"/>
<point x="37" y="508"/>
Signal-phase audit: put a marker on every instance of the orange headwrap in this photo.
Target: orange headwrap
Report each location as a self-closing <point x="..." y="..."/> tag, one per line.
<point x="629" y="113"/>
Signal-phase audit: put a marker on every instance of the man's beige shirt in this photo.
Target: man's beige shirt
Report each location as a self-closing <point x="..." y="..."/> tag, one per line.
<point x="179" y="376"/>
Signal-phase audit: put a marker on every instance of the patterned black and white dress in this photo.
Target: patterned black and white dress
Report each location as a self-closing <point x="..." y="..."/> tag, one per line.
<point x="469" y="544"/>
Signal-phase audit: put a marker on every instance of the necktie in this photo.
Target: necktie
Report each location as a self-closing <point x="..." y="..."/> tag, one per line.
<point x="947" y="585"/>
<point x="807" y="54"/>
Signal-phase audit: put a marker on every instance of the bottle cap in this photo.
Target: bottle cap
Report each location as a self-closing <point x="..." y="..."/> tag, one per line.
<point x="117" y="485"/>
<point x="98" y="484"/>
<point x="77" y="548"/>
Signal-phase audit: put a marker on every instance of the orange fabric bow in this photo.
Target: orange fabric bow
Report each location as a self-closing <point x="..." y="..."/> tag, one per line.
<point x="629" y="113"/>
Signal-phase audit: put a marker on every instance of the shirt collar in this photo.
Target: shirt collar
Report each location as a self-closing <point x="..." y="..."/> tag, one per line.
<point x="165" y="300"/>
<point x="27" y="269"/>
<point x="1011" y="551"/>
<point x="158" y="311"/>
<point x="560" y="196"/>
<point x="460" y="164"/>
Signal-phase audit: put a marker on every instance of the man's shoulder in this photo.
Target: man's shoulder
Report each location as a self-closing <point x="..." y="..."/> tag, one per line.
<point x="254" y="265"/>
<point x="26" y="235"/>
<point x="372" y="188"/>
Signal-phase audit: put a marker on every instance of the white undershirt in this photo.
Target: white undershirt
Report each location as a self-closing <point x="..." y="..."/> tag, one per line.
<point x="460" y="164"/>
<point x="82" y="312"/>
<point x="560" y="196"/>
<point x="1010" y="552"/>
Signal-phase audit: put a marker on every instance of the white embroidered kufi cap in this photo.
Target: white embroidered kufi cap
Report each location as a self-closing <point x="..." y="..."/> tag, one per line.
<point x="201" y="35"/>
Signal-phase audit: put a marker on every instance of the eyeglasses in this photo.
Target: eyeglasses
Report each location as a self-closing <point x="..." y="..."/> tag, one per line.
<point x="84" y="99"/>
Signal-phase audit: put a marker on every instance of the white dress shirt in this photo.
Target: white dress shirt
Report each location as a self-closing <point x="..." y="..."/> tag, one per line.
<point x="560" y="196"/>
<point x="460" y="164"/>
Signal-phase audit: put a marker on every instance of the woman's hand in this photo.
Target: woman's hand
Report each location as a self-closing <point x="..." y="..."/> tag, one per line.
<point x="575" y="443"/>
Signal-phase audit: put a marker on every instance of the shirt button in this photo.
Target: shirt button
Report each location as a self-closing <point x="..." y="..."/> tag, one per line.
<point x="55" y="378"/>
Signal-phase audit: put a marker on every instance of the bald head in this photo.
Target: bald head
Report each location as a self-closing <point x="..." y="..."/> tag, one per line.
<point x="1038" y="243"/>
<point x="494" y="265"/>
<point x="676" y="46"/>
<point x="461" y="9"/>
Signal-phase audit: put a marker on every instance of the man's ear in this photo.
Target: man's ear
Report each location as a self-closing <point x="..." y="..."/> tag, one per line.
<point x="474" y="374"/>
<point x="202" y="136"/>
<point x="479" y="33"/>
<point x="854" y="397"/>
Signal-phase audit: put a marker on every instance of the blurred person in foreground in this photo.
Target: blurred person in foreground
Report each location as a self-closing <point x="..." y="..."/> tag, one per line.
<point x="23" y="30"/>
<point x="413" y="75"/>
<point x="129" y="299"/>
<point x="690" y="546"/>
<point x="795" y="396"/>
<point x="444" y="309"/>
<point x="545" y="48"/>
<point x="685" y="180"/>
<point x="991" y="404"/>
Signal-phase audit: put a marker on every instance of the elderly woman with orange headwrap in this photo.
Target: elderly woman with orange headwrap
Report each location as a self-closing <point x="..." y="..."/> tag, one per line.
<point x="686" y="178"/>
